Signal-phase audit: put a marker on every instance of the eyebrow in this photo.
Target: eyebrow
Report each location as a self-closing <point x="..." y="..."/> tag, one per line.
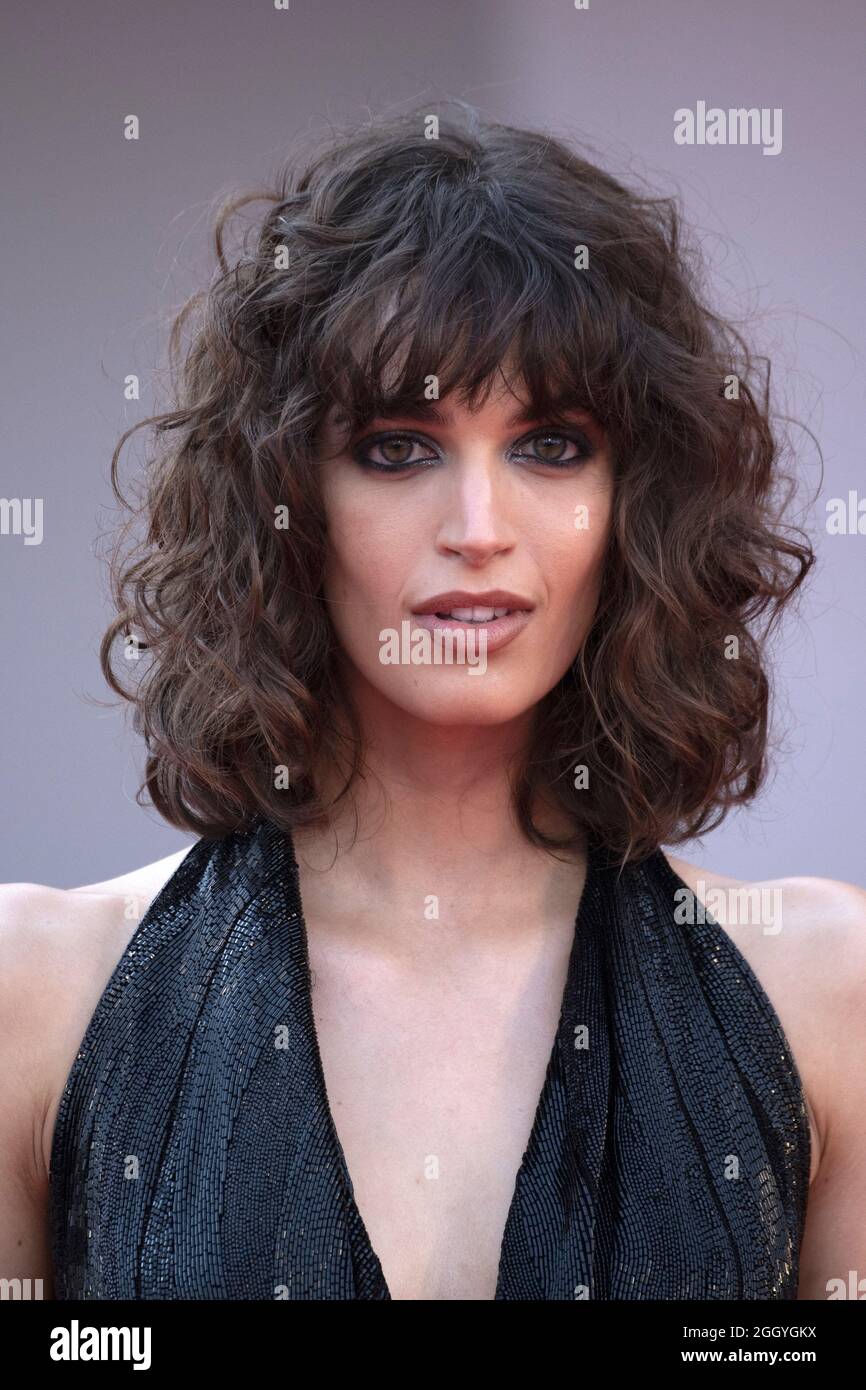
<point x="427" y="410"/>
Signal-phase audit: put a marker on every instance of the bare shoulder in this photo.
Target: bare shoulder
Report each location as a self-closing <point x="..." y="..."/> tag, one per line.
<point x="145" y="881"/>
<point x="805" y="940"/>
<point x="58" y="950"/>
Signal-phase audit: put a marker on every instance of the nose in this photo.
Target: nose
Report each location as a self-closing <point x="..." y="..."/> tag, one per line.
<point x="476" y="519"/>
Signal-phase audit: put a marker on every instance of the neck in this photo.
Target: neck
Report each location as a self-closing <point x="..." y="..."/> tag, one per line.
<point x="432" y="813"/>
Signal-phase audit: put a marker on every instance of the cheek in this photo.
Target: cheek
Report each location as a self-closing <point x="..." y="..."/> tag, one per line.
<point x="367" y="555"/>
<point x="574" y="569"/>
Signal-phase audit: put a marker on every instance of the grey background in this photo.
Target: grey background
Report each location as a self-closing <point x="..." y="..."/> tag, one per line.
<point x="104" y="238"/>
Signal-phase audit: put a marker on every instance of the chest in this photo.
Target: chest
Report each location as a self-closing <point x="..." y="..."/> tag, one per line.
<point x="433" y="1085"/>
<point x="203" y="1066"/>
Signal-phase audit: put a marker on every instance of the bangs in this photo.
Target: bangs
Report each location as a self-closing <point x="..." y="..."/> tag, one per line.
<point x="468" y="313"/>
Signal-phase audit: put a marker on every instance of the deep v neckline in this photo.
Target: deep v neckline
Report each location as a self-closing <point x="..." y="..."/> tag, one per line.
<point x="354" y="1212"/>
<point x="199" y="1058"/>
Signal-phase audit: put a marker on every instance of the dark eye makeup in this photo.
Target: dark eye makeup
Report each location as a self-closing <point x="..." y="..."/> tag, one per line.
<point x="559" y="439"/>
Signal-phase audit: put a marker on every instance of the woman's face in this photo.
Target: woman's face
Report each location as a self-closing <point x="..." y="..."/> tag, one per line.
<point x="482" y="510"/>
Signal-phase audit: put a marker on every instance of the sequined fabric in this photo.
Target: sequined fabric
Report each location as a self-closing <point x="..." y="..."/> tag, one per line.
<point x="195" y="1156"/>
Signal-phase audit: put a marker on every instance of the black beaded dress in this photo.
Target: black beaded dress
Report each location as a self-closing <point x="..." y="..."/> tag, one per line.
<point x="195" y="1156"/>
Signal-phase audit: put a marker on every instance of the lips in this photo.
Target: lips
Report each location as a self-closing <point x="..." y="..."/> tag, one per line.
<point x="498" y="613"/>
<point x="490" y="603"/>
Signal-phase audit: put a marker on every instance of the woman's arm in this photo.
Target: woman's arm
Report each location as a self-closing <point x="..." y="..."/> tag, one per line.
<point x="24" y="1248"/>
<point x="833" y="1258"/>
<point x="58" y="948"/>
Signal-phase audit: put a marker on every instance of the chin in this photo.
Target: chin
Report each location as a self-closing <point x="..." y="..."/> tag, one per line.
<point x="461" y="699"/>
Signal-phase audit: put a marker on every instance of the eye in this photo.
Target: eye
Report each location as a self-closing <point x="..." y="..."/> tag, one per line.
<point x="396" y="448"/>
<point x="551" y="448"/>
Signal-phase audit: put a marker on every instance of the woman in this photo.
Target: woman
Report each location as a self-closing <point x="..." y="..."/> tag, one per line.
<point x="462" y="548"/>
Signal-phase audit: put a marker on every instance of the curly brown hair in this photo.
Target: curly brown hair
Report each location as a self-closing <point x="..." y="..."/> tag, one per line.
<point x="456" y="254"/>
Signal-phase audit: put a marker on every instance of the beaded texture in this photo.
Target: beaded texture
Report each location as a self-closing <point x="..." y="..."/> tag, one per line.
<point x="195" y="1155"/>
